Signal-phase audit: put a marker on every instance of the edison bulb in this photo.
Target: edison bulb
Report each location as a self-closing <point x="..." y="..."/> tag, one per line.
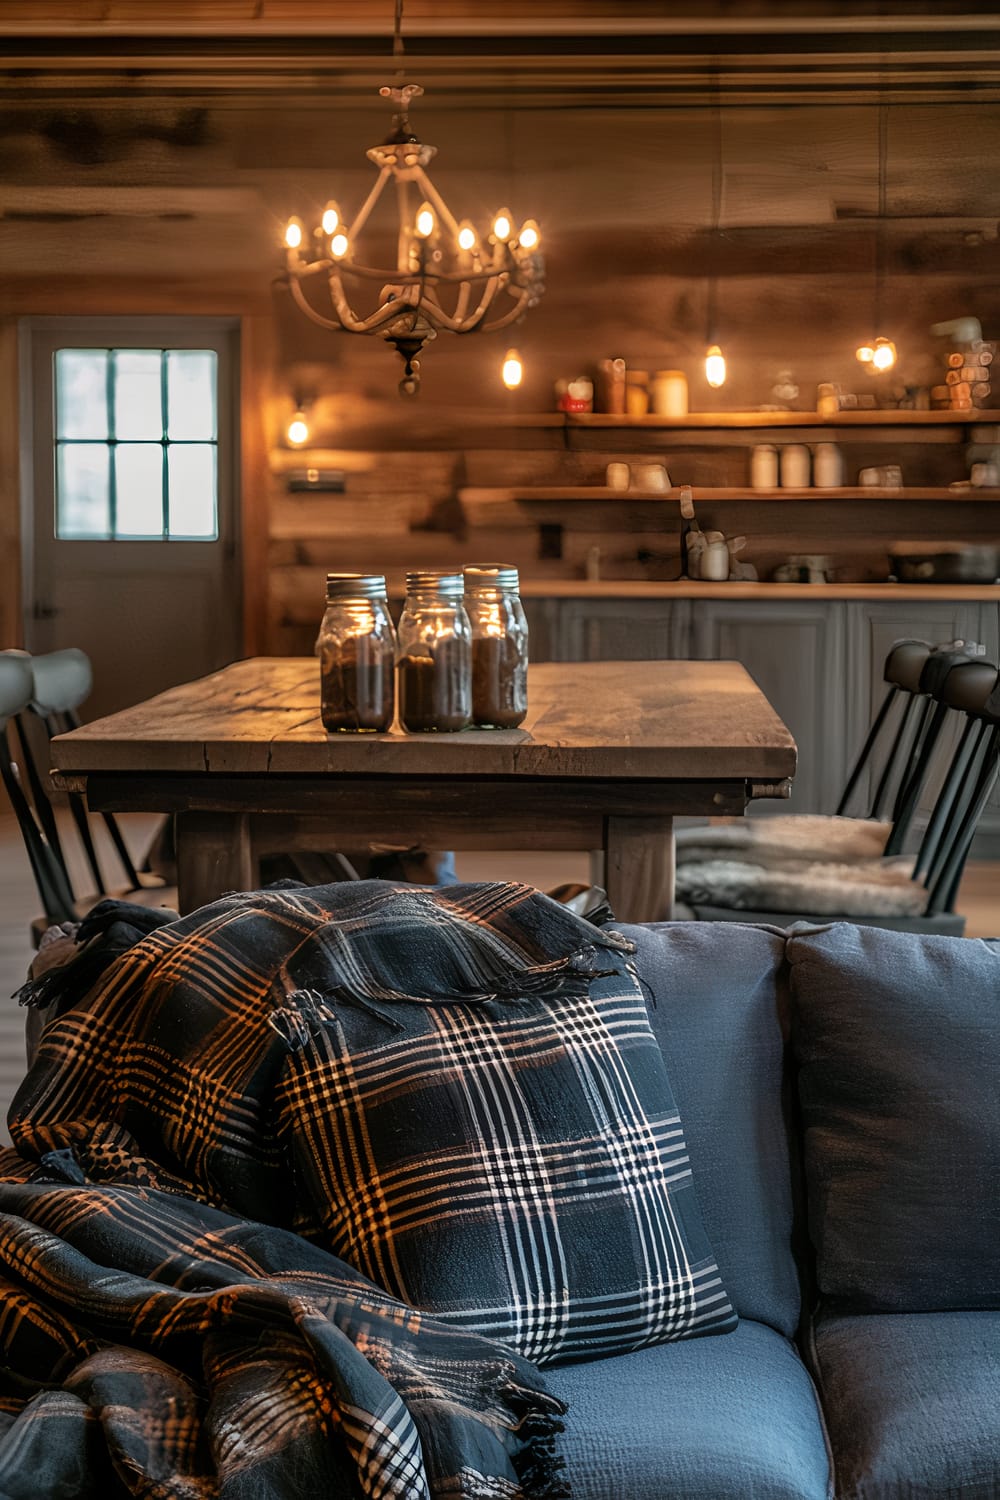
<point x="513" y="370"/>
<point x="425" y="221"/>
<point x="884" y="354"/>
<point x="503" y="226"/>
<point x="715" y="366"/>
<point x="331" y="219"/>
<point x="339" y="245"/>
<point x="865" y="355"/>
<point x="298" y="430"/>
<point x="293" y="234"/>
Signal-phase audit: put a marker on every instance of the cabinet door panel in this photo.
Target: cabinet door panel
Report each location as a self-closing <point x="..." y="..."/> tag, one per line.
<point x="622" y="629"/>
<point x="794" y="651"/>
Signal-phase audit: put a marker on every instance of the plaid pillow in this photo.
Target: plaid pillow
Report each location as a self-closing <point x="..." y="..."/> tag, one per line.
<point x="516" y="1169"/>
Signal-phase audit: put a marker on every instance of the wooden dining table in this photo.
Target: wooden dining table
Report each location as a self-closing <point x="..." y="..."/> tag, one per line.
<point x="609" y="754"/>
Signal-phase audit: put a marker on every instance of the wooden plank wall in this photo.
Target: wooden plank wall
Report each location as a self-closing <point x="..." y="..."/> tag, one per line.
<point x="624" y="197"/>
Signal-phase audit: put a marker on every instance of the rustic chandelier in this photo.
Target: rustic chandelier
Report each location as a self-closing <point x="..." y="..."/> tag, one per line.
<point x="447" y="275"/>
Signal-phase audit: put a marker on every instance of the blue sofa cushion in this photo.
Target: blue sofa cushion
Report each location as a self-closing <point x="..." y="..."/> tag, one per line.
<point x="912" y="1403"/>
<point x="898" y="1044"/>
<point x="510" y="1157"/>
<point x="703" y="1420"/>
<point x="718" y="1004"/>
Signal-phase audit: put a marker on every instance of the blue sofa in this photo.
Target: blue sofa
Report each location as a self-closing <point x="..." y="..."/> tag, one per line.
<point x="838" y="1088"/>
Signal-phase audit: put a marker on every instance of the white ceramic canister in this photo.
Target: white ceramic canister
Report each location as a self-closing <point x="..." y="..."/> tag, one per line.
<point x="828" y="466"/>
<point x="764" y="467"/>
<point x="668" y="393"/>
<point x="795" y="467"/>
<point x="650" y="476"/>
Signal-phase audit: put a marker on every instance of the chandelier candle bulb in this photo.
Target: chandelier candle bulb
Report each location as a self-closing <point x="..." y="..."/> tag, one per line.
<point x="503" y="226"/>
<point x="330" y="221"/>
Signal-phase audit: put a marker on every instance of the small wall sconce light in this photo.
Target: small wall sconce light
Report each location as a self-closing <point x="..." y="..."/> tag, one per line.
<point x="297" y="431"/>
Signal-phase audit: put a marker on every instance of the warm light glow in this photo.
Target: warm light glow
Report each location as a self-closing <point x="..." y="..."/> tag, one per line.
<point x="426" y="223"/>
<point x="339" y="245"/>
<point x="715" y="366"/>
<point x="884" y="356"/>
<point x="293" y="234"/>
<point x="513" y="370"/>
<point x="529" y="238"/>
<point x="503" y="226"/>
<point x="298" y="430"/>
<point x="331" y="218"/>
<point x="880" y="354"/>
<point x="466" y="236"/>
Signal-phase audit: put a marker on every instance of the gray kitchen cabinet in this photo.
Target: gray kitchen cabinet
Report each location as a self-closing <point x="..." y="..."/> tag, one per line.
<point x="795" y="653"/>
<point x="622" y="629"/>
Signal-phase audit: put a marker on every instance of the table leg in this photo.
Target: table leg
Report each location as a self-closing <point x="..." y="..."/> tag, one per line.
<point x="639" y="868"/>
<point x="213" y="856"/>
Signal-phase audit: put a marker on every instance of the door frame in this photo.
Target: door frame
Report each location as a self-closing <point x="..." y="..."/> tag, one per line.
<point x="103" y="330"/>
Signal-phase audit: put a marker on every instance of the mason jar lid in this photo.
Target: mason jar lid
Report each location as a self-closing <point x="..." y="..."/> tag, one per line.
<point x="435" y="581"/>
<point x="491" y="576"/>
<point x="355" y="586"/>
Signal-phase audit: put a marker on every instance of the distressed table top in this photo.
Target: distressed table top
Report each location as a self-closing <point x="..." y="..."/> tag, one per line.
<point x="663" y="720"/>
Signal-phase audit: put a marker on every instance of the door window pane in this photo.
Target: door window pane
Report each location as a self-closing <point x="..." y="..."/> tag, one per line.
<point x="81" y="393"/>
<point x="119" y="414"/>
<point x="83" y="491"/>
<point x="139" y="490"/>
<point x="192" y="488"/>
<point x="191" y="388"/>
<point x="138" y="399"/>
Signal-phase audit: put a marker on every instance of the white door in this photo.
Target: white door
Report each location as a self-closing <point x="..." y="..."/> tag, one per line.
<point x="130" y="534"/>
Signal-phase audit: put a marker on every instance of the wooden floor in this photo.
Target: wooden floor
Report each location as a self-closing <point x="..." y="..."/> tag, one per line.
<point x="979" y="900"/>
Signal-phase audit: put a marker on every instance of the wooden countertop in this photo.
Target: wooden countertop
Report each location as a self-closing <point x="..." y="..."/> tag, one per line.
<point x="689" y="588"/>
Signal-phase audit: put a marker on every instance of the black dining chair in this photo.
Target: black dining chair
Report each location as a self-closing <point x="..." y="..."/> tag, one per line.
<point x="59" y="683"/>
<point x="902" y="892"/>
<point x="884" y="785"/>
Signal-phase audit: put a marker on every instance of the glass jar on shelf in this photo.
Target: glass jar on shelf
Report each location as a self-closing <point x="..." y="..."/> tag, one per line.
<point x="356" y="647"/>
<point x="434" y="654"/>
<point x="499" y="645"/>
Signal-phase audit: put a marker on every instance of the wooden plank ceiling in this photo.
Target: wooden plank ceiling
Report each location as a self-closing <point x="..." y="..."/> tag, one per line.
<point x="578" y="51"/>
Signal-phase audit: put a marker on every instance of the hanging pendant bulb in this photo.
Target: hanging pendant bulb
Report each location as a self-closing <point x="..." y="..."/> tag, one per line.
<point x="884" y="354"/>
<point x="715" y="366"/>
<point x="297" y="431"/>
<point x="513" y="370"/>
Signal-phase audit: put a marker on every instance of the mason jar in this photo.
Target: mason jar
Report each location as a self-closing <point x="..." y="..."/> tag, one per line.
<point x="356" y="647"/>
<point x="499" y="646"/>
<point x="434" y="654"/>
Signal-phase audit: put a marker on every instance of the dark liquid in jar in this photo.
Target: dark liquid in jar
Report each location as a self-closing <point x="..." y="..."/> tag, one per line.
<point x="499" y="688"/>
<point x="433" y="690"/>
<point x="356" y="686"/>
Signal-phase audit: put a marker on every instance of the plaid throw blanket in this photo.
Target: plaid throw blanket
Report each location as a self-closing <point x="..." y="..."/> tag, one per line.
<point x="163" y="1333"/>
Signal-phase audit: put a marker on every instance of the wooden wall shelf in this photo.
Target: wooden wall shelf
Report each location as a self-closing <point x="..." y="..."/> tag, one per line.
<point x="545" y="494"/>
<point x="700" y="420"/>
